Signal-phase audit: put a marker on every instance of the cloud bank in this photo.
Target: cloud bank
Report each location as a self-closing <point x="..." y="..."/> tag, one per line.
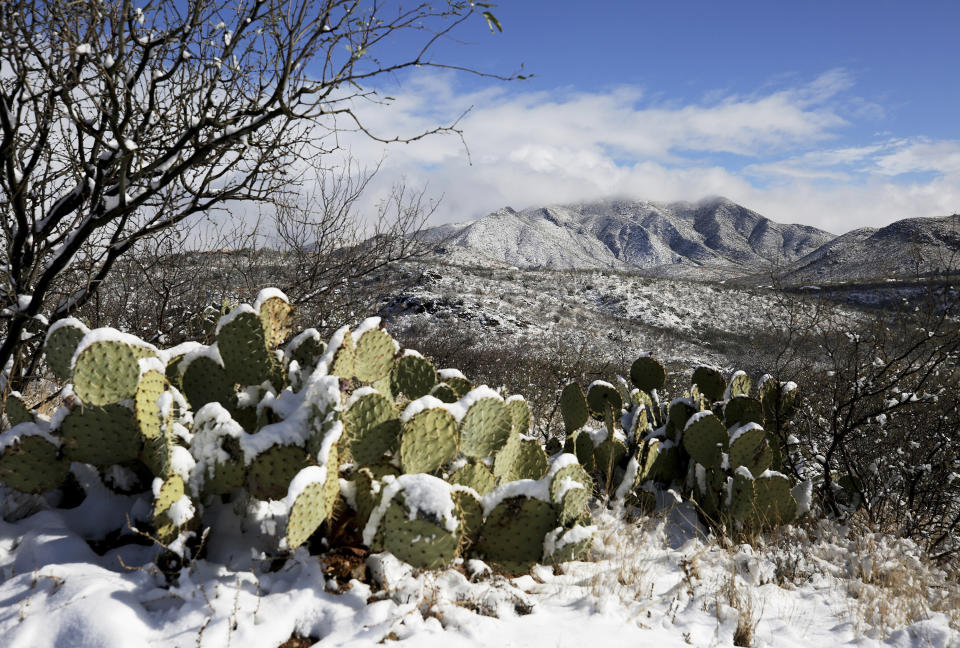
<point x="791" y="153"/>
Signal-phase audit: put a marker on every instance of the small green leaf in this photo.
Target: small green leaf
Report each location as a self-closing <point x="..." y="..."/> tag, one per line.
<point x="492" y="21"/>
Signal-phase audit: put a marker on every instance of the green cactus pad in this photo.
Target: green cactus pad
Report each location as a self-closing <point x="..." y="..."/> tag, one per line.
<point x="512" y="535"/>
<point x="470" y="512"/>
<point x="428" y="441"/>
<point x="742" y="409"/>
<point x="106" y="372"/>
<point x="705" y="439"/>
<point x="572" y="549"/>
<point x="485" y="428"/>
<point x="762" y="459"/>
<point x="32" y="465"/>
<point x="150" y="418"/>
<point x="739" y="385"/>
<point x="669" y="465"/>
<point x="520" y="459"/>
<point x="17" y="411"/>
<point x="583" y="448"/>
<point x="602" y="398"/>
<point x="519" y="415"/>
<point x="101" y="436"/>
<point x="372" y="425"/>
<point x="647" y="453"/>
<point x="306" y="349"/>
<point x="475" y="476"/>
<point x="647" y="374"/>
<point x="205" y="381"/>
<point x="774" y="501"/>
<point x="276" y="315"/>
<point x="374" y="356"/>
<point x="170" y="491"/>
<point x="679" y="413"/>
<point x="242" y="343"/>
<point x="460" y="386"/>
<point x="444" y="392"/>
<point x="306" y="515"/>
<point x="313" y="505"/>
<point x="420" y="542"/>
<point x="413" y="376"/>
<point x="571" y="502"/>
<point x="364" y="497"/>
<point x="741" y="497"/>
<point x="710" y="382"/>
<point x="746" y="446"/>
<point x="269" y="474"/>
<point x="344" y="358"/>
<point x="60" y="347"/>
<point x="573" y="407"/>
<point x="608" y="456"/>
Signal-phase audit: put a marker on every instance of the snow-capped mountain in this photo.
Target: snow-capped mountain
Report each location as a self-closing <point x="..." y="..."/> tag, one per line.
<point x="909" y="247"/>
<point x="714" y="236"/>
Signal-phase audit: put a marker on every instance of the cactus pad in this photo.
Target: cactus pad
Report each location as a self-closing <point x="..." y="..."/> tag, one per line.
<point x="372" y="425"/>
<point x="17" y="411"/>
<point x="276" y="314"/>
<point x="705" y="439"/>
<point x="774" y="501"/>
<point x="746" y="446"/>
<point x="739" y="385"/>
<point x="60" y="346"/>
<point x="741" y="496"/>
<point x="270" y="473"/>
<point x="485" y="428"/>
<point x="32" y="465"/>
<point x="242" y="343"/>
<point x="420" y="542"/>
<point x="470" y="512"/>
<point x="520" y="459"/>
<point x="413" y="376"/>
<point x="205" y="381"/>
<point x="519" y="415"/>
<point x="647" y="374"/>
<point x="374" y="356"/>
<point x="101" y="436"/>
<point x="512" y="535"/>
<point x="444" y="392"/>
<point x="602" y="398"/>
<point x="106" y="372"/>
<point x="475" y="476"/>
<point x="710" y="382"/>
<point x="573" y="407"/>
<point x="428" y="441"/>
<point x="742" y="409"/>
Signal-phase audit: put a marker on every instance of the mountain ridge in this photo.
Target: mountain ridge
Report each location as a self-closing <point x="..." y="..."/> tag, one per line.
<point x="712" y="238"/>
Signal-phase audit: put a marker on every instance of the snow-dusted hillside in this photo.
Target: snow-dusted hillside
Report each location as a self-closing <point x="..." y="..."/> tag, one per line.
<point x="714" y="237"/>
<point x="907" y="248"/>
<point x="616" y="315"/>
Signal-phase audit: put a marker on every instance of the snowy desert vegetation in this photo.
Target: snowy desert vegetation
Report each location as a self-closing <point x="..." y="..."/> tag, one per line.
<point x="243" y="407"/>
<point x="265" y="485"/>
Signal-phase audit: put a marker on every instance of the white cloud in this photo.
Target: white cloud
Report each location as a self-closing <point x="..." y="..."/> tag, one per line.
<point x="782" y="152"/>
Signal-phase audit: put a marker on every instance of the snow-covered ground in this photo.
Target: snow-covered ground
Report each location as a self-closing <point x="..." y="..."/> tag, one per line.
<point x="654" y="581"/>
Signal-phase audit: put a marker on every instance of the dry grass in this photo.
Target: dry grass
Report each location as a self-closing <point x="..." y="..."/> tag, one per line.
<point x="894" y="585"/>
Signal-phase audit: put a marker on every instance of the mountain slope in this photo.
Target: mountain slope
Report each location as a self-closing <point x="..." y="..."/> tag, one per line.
<point x="712" y="236"/>
<point x="905" y="248"/>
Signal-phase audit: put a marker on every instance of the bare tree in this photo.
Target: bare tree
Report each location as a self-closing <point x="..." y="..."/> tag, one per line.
<point x="119" y="120"/>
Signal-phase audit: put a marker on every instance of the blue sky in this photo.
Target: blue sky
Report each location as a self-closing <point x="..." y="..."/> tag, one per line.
<point x="835" y="114"/>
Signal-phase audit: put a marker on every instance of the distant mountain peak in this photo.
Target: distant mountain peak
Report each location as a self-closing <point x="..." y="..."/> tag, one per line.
<point x="714" y="236"/>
